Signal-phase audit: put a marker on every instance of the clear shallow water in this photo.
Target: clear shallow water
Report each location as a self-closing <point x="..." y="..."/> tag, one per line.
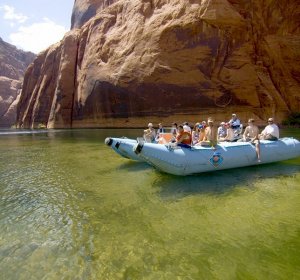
<point x="73" y="209"/>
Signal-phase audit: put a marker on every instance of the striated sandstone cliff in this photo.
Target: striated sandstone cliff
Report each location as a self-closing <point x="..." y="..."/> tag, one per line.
<point x="127" y="62"/>
<point x="9" y="95"/>
<point x="13" y="63"/>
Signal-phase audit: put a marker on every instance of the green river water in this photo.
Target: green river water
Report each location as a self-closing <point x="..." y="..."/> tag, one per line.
<point x="71" y="208"/>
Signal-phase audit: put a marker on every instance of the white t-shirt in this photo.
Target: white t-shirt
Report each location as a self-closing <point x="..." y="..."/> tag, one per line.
<point x="186" y="128"/>
<point x="271" y="129"/>
<point x="222" y="131"/>
<point x="235" y="122"/>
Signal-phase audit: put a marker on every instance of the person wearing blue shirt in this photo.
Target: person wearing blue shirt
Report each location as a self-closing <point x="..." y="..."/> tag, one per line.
<point x="235" y="122"/>
<point x="236" y="125"/>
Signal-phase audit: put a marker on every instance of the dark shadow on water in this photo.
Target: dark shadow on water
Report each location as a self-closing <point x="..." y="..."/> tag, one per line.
<point x="221" y="182"/>
<point x="132" y="166"/>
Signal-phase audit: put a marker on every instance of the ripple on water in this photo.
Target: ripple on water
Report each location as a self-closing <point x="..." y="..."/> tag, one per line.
<point x="40" y="219"/>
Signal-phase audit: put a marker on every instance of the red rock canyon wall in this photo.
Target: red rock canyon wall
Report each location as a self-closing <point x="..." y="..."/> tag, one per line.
<point x="13" y="63"/>
<point x="125" y="63"/>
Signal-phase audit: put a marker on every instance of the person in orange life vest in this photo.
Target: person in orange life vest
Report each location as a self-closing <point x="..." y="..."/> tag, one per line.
<point x="183" y="136"/>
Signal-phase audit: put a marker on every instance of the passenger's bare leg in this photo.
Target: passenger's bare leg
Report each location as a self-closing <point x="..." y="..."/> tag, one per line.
<point x="257" y="148"/>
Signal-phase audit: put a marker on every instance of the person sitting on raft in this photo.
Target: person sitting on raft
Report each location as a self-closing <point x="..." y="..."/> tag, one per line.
<point x="159" y="131"/>
<point x="210" y="137"/>
<point x="202" y="127"/>
<point x="183" y="137"/>
<point x="235" y="122"/>
<point x="174" y="129"/>
<point x="271" y="131"/>
<point x="230" y="137"/>
<point x="236" y="126"/>
<point x="251" y="132"/>
<point x="251" y="135"/>
<point x="222" y="131"/>
<point x="187" y="128"/>
<point x="195" y="133"/>
<point x="149" y="134"/>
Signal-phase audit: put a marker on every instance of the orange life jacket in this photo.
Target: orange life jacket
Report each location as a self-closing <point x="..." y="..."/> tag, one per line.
<point x="186" y="138"/>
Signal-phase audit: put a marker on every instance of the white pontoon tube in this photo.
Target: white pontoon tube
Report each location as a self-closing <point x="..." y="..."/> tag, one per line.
<point x="197" y="159"/>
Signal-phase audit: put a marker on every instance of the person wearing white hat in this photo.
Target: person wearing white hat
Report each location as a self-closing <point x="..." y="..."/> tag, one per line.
<point x="271" y="131"/>
<point x="236" y="125"/>
<point x="222" y="131"/>
<point x="235" y="122"/>
<point x="210" y="137"/>
<point x="149" y="134"/>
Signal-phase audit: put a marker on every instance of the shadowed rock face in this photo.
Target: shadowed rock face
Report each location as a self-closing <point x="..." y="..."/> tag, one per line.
<point x="9" y="96"/>
<point x="13" y="63"/>
<point x="135" y="61"/>
<point x="84" y="10"/>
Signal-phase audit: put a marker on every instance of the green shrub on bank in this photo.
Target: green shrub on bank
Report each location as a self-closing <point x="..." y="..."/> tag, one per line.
<point x="41" y="126"/>
<point x="293" y="119"/>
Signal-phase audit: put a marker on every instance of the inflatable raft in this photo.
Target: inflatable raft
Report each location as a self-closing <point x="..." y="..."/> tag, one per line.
<point x="186" y="161"/>
<point x="124" y="146"/>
